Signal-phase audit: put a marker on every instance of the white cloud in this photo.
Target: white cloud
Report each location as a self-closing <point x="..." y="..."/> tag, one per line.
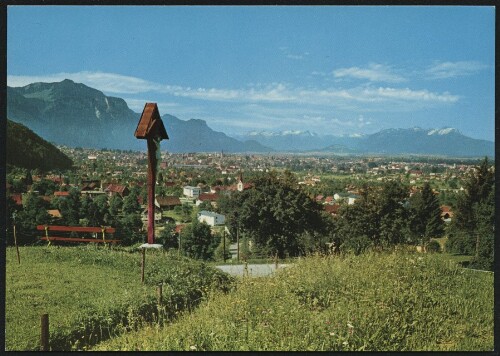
<point x="406" y="94"/>
<point x="374" y="73"/>
<point x="270" y="93"/>
<point x="445" y="70"/>
<point x="290" y="55"/>
<point x="107" y="82"/>
<point x="138" y="104"/>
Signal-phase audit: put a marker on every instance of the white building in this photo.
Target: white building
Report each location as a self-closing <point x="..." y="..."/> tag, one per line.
<point x="191" y="192"/>
<point x="211" y="218"/>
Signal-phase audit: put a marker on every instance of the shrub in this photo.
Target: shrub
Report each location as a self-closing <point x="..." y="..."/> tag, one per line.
<point x="433" y="246"/>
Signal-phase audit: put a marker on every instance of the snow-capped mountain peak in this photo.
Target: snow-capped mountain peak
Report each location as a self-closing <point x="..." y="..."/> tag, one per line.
<point x="443" y="131"/>
<point x="281" y="133"/>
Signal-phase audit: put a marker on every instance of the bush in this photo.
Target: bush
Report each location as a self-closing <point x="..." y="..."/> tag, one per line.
<point x="356" y="245"/>
<point x="460" y="243"/>
<point x="433" y="246"/>
<point x="485" y="259"/>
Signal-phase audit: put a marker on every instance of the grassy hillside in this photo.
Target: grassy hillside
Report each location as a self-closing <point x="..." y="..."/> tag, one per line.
<point x="376" y="302"/>
<point x="92" y="293"/>
<point x="28" y="150"/>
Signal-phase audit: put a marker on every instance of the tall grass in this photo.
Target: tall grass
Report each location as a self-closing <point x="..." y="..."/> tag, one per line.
<point x="91" y="293"/>
<point x="377" y="302"/>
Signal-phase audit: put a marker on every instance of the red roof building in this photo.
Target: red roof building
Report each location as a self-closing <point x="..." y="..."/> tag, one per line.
<point x="179" y="228"/>
<point x="61" y="194"/>
<point x="117" y="189"/>
<point x="17" y="198"/>
<point x="446" y="212"/>
<point x="333" y="210"/>
<point x="208" y="196"/>
<point x="168" y="202"/>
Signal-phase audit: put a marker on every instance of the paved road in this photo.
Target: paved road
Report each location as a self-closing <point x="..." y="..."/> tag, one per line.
<point x="259" y="270"/>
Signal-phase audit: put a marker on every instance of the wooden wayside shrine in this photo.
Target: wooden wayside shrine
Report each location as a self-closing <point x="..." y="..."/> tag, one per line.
<point x="151" y="128"/>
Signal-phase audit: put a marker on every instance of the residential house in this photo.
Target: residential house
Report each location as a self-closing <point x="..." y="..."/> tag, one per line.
<point x="348" y="197"/>
<point x="210" y="197"/>
<point x="191" y="192"/>
<point x="211" y="218"/>
<point x="17" y="198"/>
<point x="55" y="214"/>
<point x="351" y="199"/>
<point x="179" y="228"/>
<point x="446" y="213"/>
<point x="167" y="203"/>
<point x="333" y="210"/>
<point x="117" y="189"/>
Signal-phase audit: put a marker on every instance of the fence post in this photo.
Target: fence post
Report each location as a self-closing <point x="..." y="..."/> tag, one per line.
<point x="159" y="292"/>
<point x="17" y="247"/>
<point x="143" y="264"/>
<point x="44" y="334"/>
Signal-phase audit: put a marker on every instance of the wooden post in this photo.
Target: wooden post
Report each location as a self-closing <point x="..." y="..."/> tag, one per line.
<point x="143" y="264"/>
<point x="44" y="334"/>
<point x="238" y="243"/>
<point x="179" y="242"/>
<point x="159" y="292"/>
<point x="17" y="247"/>
<point x="477" y="245"/>
<point x="276" y="261"/>
<point x="224" y="244"/>
<point x="151" y="188"/>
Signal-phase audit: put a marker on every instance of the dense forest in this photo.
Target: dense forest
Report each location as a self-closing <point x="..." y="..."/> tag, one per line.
<point x="26" y="149"/>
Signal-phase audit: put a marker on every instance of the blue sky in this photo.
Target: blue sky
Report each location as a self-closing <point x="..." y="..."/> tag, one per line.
<point x="327" y="69"/>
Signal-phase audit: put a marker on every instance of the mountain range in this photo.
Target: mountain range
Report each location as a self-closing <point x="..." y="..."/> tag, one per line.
<point x="74" y="114"/>
<point x="445" y="141"/>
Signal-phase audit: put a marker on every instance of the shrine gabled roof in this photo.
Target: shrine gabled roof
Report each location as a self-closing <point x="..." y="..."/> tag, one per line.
<point x="150" y="123"/>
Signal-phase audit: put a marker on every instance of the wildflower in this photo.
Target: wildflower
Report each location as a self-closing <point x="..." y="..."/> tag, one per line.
<point x="332" y="333"/>
<point x="192" y="347"/>
<point x="349" y="325"/>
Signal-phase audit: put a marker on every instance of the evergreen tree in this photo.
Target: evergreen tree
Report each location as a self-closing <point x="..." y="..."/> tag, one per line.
<point x="115" y="206"/>
<point x="34" y="213"/>
<point x="131" y="204"/>
<point x="378" y="219"/>
<point x="70" y="207"/>
<point x="425" y="220"/>
<point x="473" y="225"/>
